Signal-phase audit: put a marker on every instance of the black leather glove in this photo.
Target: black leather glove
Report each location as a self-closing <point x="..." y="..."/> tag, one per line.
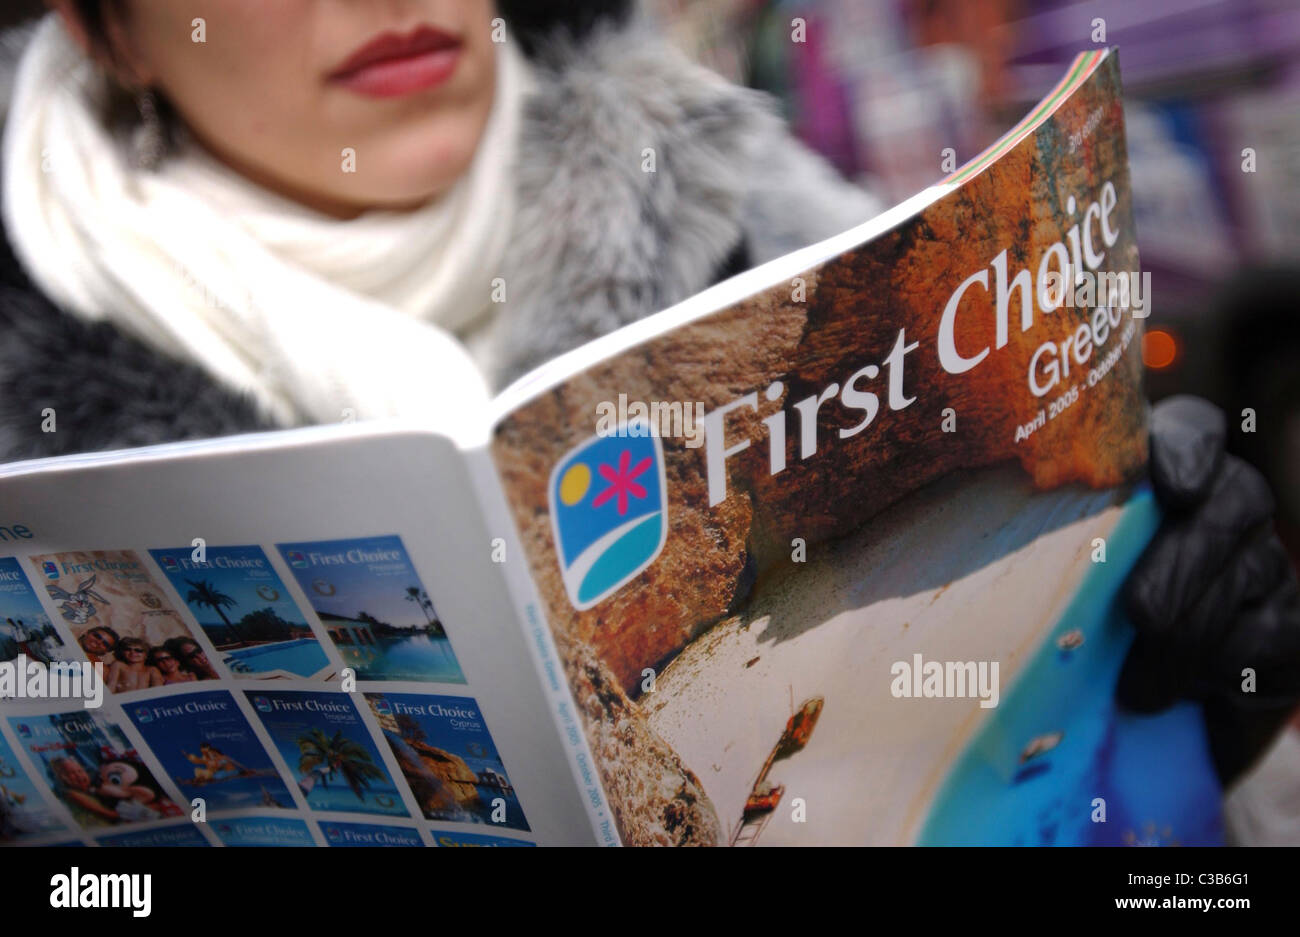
<point x="1214" y="593"/>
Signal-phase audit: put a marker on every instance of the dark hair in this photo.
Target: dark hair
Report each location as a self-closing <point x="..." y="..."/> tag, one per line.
<point x="534" y="20"/>
<point x="102" y="629"/>
<point x="175" y="644"/>
<point x="121" y="105"/>
<point x="156" y="652"/>
<point x="94" y="16"/>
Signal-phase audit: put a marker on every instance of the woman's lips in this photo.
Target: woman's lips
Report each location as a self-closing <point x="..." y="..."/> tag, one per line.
<point x="392" y="65"/>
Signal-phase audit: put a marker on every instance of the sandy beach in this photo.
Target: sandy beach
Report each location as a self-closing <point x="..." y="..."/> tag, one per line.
<point x="977" y="567"/>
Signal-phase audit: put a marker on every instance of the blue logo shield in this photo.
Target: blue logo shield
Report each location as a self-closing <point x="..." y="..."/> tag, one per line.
<point x="609" y="509"/>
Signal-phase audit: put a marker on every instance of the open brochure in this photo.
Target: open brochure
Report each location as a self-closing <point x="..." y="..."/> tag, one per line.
<point x="825" y="554"/>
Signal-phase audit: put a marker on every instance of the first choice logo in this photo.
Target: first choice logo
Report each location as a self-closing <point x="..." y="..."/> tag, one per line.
<point x="609" y="512"/>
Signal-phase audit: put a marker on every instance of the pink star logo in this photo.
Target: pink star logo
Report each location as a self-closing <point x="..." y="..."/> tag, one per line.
<point x="621" y="481"/>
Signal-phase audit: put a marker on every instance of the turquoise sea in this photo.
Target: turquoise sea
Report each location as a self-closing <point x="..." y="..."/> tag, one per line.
<point x="1151" y="774"/>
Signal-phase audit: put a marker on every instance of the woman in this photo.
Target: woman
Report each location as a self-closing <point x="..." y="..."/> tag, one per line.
<point x="316" y="208"/>
<point x="169" y="665"/>
<point x="192" y="657"/>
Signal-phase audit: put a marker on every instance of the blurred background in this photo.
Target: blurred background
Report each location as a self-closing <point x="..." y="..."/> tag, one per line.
<point x="1212" y="88"/>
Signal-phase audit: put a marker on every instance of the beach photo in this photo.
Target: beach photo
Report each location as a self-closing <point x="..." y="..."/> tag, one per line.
<point x="819" y="675"/>
<point x="915" y="477"/>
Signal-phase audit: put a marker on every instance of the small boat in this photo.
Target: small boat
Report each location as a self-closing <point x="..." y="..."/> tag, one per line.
<point x="1041" y="745"/>
<point x="799" y="729"/>
<point x="762" y="799"/>
<point x="1070" y="640"/>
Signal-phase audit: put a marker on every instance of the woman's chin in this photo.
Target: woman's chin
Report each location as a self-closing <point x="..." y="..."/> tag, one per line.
<point x="414" y="177"/>
<point x="394" y="199"/>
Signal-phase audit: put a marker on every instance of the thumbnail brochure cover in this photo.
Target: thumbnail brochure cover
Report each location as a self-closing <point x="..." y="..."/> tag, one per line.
<point x="24" y="627"/>
<point x="87" y="762"/>
<point x="182" y="834"/>
<point x="369" y="835"/>
<point x="448" y="758"/>
<point x="24" y="813"/>
<point x="120" y="617"/>
<point x="455" y="840"/>
<point x="209" y="750"/>
<point x="329" y="751"/>
<point x="245" y="611"/>
<point x="263" y="831"/>
<point x="369" y="598"/>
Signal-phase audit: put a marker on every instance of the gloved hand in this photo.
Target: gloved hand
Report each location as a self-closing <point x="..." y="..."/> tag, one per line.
<point x="1215" y="592"/>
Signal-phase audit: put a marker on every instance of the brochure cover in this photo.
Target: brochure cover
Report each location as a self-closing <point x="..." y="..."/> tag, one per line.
<point x="88" y="763"/>
<point x="868" y="595"/>
<point x="369" y="834"/>
<point x="24" y="626"/>
<point x="23" y="811"/>
<point x="209" y="750"/>
<point x="121" y="618"/>
<point x="245" y="611"/>
<point x="329" y="751"/>
<point x="448" y="758"/>
<point x="368" y="597"/>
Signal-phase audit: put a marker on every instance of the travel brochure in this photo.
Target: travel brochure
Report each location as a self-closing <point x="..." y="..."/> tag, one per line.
<point x="827" y="554"/>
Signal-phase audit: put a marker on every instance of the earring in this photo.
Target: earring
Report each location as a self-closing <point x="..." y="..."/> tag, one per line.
<point x="149" y="140"/>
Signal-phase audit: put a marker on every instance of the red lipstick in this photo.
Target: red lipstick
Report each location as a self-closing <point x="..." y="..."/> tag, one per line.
<point x="393" y="65"/>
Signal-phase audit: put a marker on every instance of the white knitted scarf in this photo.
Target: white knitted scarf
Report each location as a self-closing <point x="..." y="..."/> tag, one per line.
<point x="315" y="318"/>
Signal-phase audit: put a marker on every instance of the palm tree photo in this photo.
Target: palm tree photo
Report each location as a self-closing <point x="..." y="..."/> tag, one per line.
<point x="322" y="757"/>
<point x="420" y="598"/>
<point x="205" y="593"/>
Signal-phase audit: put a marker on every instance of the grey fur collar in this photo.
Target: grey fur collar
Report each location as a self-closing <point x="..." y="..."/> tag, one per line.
<point x="639" y="174"/>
